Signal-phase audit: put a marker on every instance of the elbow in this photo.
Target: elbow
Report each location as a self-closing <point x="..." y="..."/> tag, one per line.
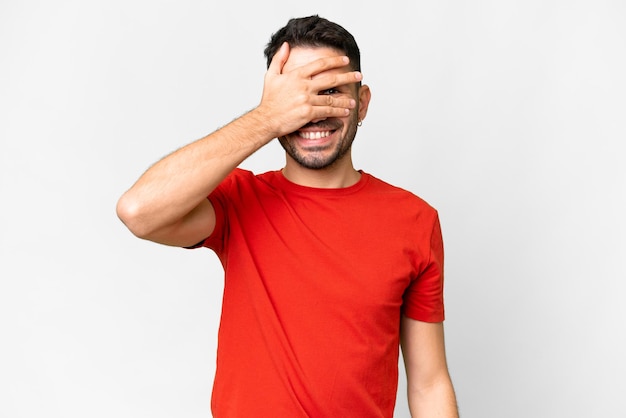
<point x="130" y="212"/>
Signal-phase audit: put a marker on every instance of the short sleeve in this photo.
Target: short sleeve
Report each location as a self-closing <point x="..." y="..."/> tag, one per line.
<point x="219" y="199"/>
<point x="423" y="299"/>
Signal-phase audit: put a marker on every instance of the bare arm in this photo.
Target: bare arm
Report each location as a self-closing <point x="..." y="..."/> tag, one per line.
<point x="168" y="203"/>
<point x="430" y="390"/>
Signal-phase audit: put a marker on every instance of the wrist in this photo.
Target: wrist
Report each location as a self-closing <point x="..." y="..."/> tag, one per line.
<point x="264" y="123"/>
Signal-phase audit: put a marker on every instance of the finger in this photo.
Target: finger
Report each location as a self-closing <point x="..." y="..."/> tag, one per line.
<point x="323" y="64"/>
<point x="279" y="59"/>
<point x="334" y="80"/>
<point x="326" y="100"/>
<point x="323" y="112"/>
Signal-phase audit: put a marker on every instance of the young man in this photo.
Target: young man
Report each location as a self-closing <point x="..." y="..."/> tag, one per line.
<point x="327" y="269"/>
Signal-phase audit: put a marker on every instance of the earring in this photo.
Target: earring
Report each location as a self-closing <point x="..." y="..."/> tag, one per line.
<point x="359" y="123"/>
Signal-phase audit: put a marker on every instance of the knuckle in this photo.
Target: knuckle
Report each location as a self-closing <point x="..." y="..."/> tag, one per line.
<point x="304" y="111"/>
<point x="301" y="98"/>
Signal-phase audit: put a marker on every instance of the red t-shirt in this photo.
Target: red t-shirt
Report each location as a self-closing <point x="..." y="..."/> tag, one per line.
<point x="315" y="284"/>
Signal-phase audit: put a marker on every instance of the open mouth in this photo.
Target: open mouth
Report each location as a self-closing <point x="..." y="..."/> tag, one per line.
<point x="314" y="134"/>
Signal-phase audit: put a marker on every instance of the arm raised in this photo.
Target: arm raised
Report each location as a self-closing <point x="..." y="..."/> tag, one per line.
<point x="168" y="203"/>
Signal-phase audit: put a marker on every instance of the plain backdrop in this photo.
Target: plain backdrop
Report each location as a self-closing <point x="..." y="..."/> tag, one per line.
<point x="507" y="116"/>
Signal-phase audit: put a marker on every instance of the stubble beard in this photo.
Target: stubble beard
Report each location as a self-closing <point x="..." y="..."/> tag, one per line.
<point x="313" y="157"/>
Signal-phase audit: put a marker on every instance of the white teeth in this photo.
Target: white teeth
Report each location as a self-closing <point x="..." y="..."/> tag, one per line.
<point x="314" y="135"/>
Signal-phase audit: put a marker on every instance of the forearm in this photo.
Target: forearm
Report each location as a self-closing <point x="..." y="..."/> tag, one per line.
<point x="175" y="185"/>
<point x="430" y="390"/>
<point x="160" y="205"/>
<point x="435" y="401"/>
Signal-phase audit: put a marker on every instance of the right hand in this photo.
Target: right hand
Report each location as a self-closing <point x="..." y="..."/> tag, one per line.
<point x="291" y="99"/>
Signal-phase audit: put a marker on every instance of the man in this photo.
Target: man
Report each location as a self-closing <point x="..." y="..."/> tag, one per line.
<point x="327" y="269"/>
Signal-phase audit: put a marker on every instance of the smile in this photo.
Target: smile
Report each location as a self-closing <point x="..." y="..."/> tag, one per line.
<point x="314" y="135"/>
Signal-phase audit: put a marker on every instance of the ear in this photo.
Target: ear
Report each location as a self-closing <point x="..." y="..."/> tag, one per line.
<point x="364" y="100"/>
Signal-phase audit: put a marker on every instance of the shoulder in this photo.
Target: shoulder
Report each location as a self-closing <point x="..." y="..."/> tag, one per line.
<point x="239" y="174"/>
<point x="397" y="195"/>
<point x="241" y="178"/>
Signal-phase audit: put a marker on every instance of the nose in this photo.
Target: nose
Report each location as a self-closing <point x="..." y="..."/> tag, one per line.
<point x="318" y="120"/>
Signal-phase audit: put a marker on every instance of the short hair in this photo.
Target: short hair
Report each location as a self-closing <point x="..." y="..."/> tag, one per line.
<point x="315" y="31"/>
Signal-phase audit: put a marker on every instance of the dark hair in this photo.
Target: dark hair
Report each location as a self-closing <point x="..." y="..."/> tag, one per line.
<point x="315" y="31"/>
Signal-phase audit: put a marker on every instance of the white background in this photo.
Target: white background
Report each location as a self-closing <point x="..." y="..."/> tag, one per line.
<point x="508" y="116"/>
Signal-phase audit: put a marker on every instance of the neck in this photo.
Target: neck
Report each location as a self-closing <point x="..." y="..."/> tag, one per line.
<point x="339" y="175"/>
